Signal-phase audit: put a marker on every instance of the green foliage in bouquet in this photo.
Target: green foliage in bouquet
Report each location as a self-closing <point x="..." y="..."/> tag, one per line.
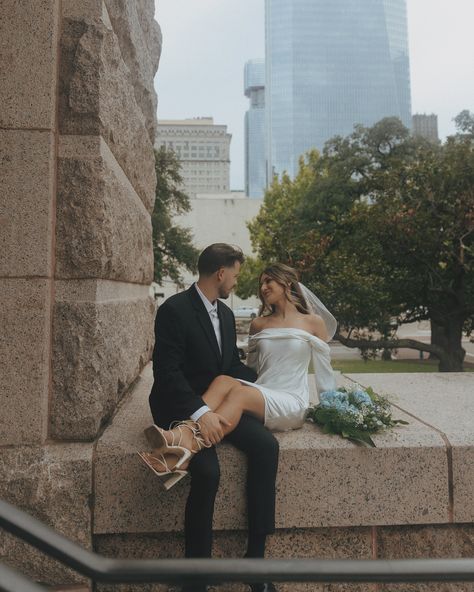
<point x="353" y="413"/>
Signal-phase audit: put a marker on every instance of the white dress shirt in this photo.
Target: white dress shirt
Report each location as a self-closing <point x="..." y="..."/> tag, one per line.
<point x="212" y="311"/>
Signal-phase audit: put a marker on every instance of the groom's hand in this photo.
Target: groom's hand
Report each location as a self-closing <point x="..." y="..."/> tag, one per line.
<point x="212" y="425"/>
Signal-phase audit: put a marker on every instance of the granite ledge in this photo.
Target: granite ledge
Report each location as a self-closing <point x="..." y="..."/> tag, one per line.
<point x="404" y="480"/>
<point x="445" y="402"/>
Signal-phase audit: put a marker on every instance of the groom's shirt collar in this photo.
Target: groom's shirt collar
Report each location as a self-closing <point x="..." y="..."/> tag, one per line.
<point x="210" y="307"/>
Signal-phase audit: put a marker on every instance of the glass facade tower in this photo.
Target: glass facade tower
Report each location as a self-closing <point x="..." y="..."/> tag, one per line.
<point x="331" y="64"/>
<point x="255" y="162"/>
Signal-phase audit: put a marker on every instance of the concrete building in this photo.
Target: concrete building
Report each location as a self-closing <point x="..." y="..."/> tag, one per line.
<point x="330" y="65"/>
<point x="203" y="149"/>
<point x="426" y="126"/>
<point x="217" y="218"/>
<point x="255" y="164"/>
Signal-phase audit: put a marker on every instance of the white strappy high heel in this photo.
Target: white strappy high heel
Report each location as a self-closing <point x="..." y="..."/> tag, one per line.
<point x="158" y="463"/>
<point x="156" y="438"/>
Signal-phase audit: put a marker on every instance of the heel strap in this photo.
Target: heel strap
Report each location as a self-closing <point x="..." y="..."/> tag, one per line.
<point x="180" y="425"/>
<point x="195" y="429"/>
<point x="160" y="458"/>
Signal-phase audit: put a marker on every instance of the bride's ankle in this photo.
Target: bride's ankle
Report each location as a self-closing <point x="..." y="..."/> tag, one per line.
<point x="184" y="436"/>
<point x="174" y="437"/>
<point x="170" y="437"/>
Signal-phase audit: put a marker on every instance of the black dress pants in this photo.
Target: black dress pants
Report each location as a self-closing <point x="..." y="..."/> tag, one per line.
<point x="261" y="448"/>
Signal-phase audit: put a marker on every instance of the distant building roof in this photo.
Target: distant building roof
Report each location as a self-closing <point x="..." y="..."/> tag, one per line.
<point x="192" y="121"/>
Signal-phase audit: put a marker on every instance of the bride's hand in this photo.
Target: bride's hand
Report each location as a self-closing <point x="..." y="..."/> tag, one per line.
<point x="211" y="425"/>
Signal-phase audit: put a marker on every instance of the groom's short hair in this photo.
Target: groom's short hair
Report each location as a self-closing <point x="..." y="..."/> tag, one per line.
<point x="218" y="255"/>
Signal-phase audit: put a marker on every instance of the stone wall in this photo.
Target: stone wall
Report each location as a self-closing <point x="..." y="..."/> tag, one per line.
<point x="409" y="497"/>
<point x="77" y="185"/>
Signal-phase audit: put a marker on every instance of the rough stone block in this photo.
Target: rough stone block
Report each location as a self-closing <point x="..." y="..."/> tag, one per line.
<point x="463" y="483"/>
<point x="446" y="402"/>
<point x="83" y="9"/>
<point x="414" y="542"/>
<point x="281" y="587"/>
<point x="26" y="207"/>
<point x="100" y="345"/>
<point x="140" y="42"/>
<point x="335" y="482"/>
<point x="362" y="486"/>
<point x="24" y="360"/>
<point x="97" y="97"/>
<point x="29" y="63"/>
<point x="428" y="587"/>
<point x="53" y="484"/>
<point x="300" y="543"/>
<point x="103" y="229"/>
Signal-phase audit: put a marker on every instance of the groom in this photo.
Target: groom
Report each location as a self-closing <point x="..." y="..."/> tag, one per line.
<point x="195" y="341"/>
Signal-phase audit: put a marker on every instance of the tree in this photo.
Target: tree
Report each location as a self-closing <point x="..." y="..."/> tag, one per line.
<point x="381" y="225"/>
<point x="430" y="230"/>
<point x="465" y="122"/>
<point x="172" y="245"/>
<point x="248" y="277"/>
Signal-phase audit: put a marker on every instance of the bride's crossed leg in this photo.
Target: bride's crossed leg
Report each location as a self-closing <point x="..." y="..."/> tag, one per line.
<point x="229" y="398"/>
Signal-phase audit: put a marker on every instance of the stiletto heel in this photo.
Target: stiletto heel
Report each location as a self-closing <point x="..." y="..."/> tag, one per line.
<point x="150" y="460"/>
<point x="177" y="476"/>
<point x="186" y="456"/>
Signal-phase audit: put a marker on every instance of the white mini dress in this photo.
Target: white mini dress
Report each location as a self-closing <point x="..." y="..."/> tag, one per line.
<point x="281" y="358"/>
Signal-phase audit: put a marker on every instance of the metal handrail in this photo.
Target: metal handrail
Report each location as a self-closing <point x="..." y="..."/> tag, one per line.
<point x="215" y="571"/>
<point x="12" y="581"/>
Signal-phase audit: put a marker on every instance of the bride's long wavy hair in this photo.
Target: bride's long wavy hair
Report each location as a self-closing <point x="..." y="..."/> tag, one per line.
<point x="287" y="277"/>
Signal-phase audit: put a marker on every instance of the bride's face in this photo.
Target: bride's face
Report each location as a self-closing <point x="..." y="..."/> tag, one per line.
<point x="271" y="290"/>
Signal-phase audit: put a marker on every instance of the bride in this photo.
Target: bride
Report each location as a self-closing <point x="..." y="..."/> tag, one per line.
<point x="292" y="330"/>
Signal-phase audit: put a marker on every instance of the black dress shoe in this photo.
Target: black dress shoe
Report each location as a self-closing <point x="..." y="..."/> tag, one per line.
<point x="263" y="587"/>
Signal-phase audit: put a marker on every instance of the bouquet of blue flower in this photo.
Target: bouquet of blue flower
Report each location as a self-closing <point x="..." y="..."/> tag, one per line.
<point x="353" y="413"/>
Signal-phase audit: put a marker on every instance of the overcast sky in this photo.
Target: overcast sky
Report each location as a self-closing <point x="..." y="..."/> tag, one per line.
<point x="207" y="42"/>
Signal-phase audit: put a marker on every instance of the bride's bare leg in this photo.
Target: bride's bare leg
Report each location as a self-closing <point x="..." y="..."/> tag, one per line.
<point x="215" y="395"/>
<point x="228" y="397"/>
<point x="240" y="399"/>
<point x="218" y="390"/>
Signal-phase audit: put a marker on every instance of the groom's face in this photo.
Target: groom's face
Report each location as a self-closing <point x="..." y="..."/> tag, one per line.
<point x="227" y="277"/>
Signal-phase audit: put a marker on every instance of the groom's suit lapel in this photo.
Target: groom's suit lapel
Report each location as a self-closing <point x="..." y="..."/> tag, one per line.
<point x="205" y="321"/>
<point x="227" y="345"/>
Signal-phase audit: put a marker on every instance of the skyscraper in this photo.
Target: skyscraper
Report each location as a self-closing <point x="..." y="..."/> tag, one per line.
<point x="426" y="126"/>
<point x="331" y="64"/>
<point x="255" y="166"/>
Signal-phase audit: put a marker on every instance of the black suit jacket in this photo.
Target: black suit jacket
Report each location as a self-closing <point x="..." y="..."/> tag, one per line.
<point x="186" y="356"/>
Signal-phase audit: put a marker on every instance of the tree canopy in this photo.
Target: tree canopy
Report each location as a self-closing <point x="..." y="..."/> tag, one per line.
<point x="381" y="226"/>
<point x="172" y="245"/>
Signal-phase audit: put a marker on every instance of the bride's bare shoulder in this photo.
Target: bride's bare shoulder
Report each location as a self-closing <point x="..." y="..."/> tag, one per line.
<point x="316" y="326"/>
<point x="257" y="325"/>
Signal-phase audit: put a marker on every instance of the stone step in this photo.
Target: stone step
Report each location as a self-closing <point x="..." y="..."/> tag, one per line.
<point x="406" y="498"/>
<point x="323" y="481"/>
